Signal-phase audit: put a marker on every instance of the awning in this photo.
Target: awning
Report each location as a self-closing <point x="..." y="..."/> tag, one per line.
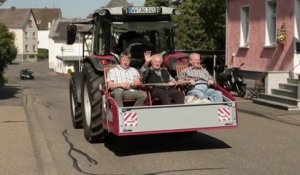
<point x="69" y="58"/>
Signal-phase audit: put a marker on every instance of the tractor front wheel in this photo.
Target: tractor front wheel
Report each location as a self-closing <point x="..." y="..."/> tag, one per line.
<point x="75" y="106"/>
<point x="91" y="104"/>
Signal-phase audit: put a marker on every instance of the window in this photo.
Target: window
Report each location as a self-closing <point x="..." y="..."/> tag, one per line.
<point x="26" y="48"/>
<point x="33" y="35"/>
<point x="244" y="41"/>
<point x="38" y="21"/>
<point x="34" y="48"/>
<point x="30" y="23"/>
<point x="26" y="35"/>
<point x="271" y="23"/>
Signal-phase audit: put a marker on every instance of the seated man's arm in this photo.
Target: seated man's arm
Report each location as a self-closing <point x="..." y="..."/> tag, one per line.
<point x="172" y="81"/>
<point x="112" y="84"/>
<point x="210" y="80"/>
<point x="137" y="78"/>
<point x="184" y="79"/>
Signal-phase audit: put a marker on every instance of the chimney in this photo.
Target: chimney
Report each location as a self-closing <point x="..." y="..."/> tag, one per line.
<point x="49" y="25"/>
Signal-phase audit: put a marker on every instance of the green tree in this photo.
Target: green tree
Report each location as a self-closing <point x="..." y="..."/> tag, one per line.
<point x="150" y="3"/>
<point x="8" y="50"/>
<point x="2" y="1"/>
<point x="201" y="23"/>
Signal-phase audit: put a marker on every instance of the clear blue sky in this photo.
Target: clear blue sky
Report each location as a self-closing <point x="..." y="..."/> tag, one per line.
<point x="69" y="8"/>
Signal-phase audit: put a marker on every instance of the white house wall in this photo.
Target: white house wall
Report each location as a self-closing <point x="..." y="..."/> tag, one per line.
<point x="19" y="39"/>
<point x="62" y="49"/>
<point x="43" y="36"/>
<point x="52" y="54"/>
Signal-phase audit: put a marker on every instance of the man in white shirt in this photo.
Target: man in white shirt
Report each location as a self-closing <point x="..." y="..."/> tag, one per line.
<point x="122" y="80"/>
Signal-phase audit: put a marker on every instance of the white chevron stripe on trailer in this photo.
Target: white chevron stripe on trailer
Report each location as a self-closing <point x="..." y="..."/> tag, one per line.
<point x="224" y="114"/>
<point x="130" y="119"/>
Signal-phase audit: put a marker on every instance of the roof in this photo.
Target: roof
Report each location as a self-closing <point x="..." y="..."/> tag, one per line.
<point x="45" y="15"/>
<point x="14" y="18"/>
<point x="59" y="30"/>
<point x="17" y="17"/>
<point x="118" y="3"/>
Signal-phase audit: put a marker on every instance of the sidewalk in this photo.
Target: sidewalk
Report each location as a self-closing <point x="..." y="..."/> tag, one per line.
<point x="248" y="107"/>
<point x="17" y="156"/>
<point x="23" y="146"/>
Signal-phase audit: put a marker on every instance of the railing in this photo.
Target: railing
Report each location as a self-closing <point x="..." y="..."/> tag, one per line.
<point x="291" y="72"/>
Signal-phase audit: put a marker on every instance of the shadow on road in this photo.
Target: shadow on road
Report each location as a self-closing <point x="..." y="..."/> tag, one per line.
<point x="134" y="145"/>
<point x="7" y="92"/>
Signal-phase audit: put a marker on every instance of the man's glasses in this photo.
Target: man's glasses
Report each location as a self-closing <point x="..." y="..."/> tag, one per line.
<point x="127" y="59"/>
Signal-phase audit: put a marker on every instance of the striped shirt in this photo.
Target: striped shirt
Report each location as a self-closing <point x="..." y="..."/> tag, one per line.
<point x="120" y="75"/>
<point x="200" y="75"/>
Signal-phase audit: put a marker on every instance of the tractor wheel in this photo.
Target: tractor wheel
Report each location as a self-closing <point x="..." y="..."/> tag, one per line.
<point x="91" y="104"/>
<point x="75" y="107"/>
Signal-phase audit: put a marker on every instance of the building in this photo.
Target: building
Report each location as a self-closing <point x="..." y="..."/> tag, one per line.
<point x="33" y="36"/>
<point x="265" y="36"/>
<point x="45" y="17"/>
<point x="22" y="23"/>
<point x="62" y="57"/>
<point x="254" y="29"/>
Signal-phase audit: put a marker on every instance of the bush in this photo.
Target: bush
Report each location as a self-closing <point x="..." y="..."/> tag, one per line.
<point x="31" y="56"/>
<point x="70" y="72"/>
<point x="42" y="54"/>
<point x="3" y="80"/>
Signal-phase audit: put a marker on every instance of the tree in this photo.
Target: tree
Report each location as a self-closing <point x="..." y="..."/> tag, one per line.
<point x="201" y="23"/>
<point x="162" y="2"/>
<point x="2" y="1"/>
<point x="8" y="50"/>
<point x="150" y="3"/>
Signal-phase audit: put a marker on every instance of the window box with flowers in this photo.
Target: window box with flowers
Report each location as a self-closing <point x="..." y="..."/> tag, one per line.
<point x="281" y="34"/>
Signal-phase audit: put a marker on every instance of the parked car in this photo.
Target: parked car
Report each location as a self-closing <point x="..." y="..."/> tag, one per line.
<point x="26" y="74"/>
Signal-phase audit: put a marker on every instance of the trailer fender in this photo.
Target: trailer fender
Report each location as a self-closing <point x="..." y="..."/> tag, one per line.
<point x="171" y="59"/>
<point x="99" y="61"/>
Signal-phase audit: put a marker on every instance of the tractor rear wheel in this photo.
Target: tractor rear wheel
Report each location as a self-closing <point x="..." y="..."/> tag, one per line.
<point x="91" y="104"/>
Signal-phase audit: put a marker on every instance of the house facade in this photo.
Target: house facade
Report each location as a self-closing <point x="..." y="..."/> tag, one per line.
<point x="45" y="17"/>
<point x="22" y="23"/>
<point x="62" y="57"/>
<point x="264" y="35"/>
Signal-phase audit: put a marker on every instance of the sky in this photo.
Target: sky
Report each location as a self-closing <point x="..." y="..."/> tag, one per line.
<point x="69" y="8"/>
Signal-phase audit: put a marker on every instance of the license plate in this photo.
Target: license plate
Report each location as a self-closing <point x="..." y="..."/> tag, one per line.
<point x="137" y="10"/>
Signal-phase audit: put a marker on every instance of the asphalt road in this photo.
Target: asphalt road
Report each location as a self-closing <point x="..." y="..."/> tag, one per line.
<point x="257" y="146"/>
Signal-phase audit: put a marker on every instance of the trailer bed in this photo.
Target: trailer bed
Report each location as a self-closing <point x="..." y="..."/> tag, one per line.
<point x="172" y="118"/>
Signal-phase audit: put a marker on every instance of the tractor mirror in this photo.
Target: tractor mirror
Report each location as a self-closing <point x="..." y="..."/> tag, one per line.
<point x="71" y="33"/>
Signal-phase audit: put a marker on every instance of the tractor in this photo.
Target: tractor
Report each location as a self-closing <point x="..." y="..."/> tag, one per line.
<point x="136" y="30"/>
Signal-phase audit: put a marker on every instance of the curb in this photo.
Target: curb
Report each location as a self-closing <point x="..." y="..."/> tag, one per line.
<point x="42" y="154"/>
<point x="269" y="116"/>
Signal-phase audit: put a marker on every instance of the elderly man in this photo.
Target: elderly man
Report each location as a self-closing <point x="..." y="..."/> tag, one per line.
<point x="198" y="80"/>
<point x="165" y="82"/>
<point x="122" y="79"/>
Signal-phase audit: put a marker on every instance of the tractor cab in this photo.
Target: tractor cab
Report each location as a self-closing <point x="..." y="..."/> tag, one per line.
<point x="132" y="29"/>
